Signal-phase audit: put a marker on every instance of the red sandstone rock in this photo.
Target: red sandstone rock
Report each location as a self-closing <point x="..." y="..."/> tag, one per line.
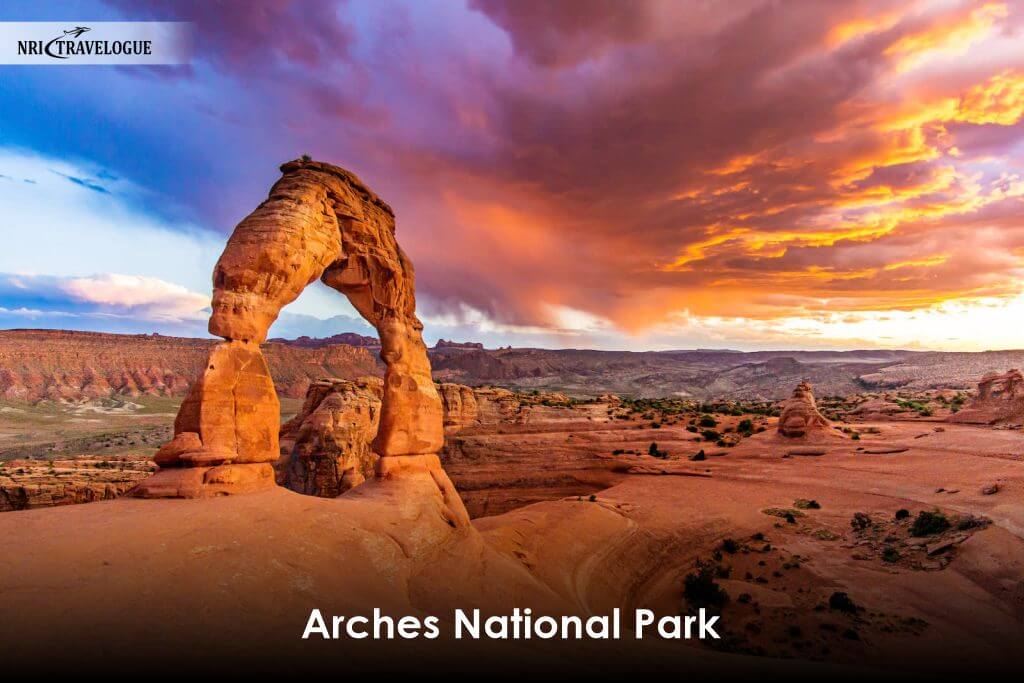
<point x="1000" y="399"/>
<point x="319" y="221"/>
<point x="28" y="484"/>
<point x="799" y="416"/>
<point x="460" y="406"/>
<point x="327" y="445"/>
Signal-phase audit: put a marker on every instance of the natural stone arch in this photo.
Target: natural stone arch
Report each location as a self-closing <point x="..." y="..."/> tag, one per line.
<point x="319" y="221"/>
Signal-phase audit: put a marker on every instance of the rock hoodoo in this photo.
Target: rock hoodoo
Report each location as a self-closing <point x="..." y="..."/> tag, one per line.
<point x="799" y="415"/>
<point x="320" y="221"/>
<point x="1000" y="399"/>
<point x="327" y="445"/>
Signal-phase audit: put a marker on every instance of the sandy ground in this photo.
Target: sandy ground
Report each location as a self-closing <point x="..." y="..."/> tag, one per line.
<point x="230" y="582"/>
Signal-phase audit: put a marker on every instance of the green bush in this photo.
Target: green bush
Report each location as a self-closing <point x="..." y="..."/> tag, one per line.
<point x="841" y="602"/>
<point x="929" y="523"/>
<point x="700" y="589"/>
<point x="654" y="451"/>
<point x="708" y="421"/>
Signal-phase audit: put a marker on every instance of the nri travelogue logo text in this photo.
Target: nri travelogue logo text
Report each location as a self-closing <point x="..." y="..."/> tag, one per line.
<point x="109" y="42"/>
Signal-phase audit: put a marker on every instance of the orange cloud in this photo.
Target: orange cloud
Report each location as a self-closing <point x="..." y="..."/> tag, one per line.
<point x="743" y="172"/>
<point x="860" y="27"/>
<point x="949" y="35"/>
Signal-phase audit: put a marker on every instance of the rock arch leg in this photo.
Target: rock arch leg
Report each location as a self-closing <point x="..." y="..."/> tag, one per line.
<point x="319" y="221"/>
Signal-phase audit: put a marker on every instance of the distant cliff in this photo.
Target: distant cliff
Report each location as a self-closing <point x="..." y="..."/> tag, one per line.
<point x="56" y="364"/>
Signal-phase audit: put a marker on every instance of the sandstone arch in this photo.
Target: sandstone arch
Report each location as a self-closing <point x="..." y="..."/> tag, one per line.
<point x="319" y="221"/>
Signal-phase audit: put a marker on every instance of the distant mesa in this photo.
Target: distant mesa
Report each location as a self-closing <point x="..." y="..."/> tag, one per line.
<point x="1000" y="399"/>
<point x="445" y="344"/>
<point x="349" y="338"/>
<point x="799" y="416"/>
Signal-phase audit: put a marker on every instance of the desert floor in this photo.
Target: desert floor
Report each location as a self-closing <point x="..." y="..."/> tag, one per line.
<point x="176" y="583"/>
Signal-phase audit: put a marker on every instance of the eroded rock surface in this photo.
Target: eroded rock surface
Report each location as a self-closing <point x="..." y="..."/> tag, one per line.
<point x="460" y="406"/>
<point x="327" y="445"/>
<point x="1000" y="399"/>
<point x="29" y="484"/>
<point x="320" y="221"/>
<point x="799" y="416"/>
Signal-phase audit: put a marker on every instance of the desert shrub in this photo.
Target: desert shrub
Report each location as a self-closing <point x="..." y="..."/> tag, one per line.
<point x="654" y="451"/>
<point x="855" y="436"/>
<point x="805" y="504"/>
<point x="699" y="455"/>
<point x="711" y="435"/>
<point x="890" y="554"/>
<point x="860" y="521"/>
<point x="841" y="602"/>
<point x="306" y="157"/>
<point x="902" y="513"/>
<point x="708" y="421"/>
<point x="967" y="521"/>
<point x="745" y="426"/>
<point x="928" y="523"/>
<point x="730" y="546"/>
<point x="783" y="513"/>
<point x="700" y="589"/>
<point x="691" y="428"/>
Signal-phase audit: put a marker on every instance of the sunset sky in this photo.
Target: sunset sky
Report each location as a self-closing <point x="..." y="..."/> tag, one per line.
<point x="743" y="174"/>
